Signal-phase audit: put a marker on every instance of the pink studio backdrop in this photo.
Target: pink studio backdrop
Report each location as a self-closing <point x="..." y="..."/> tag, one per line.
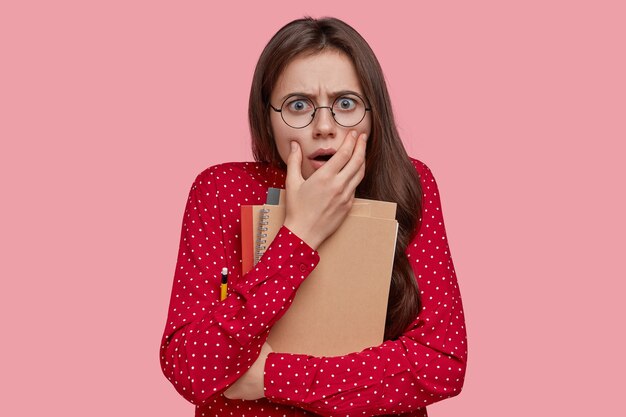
<point x="108" y="110"/>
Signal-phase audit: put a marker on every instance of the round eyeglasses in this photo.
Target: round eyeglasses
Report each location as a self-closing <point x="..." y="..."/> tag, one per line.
<point x="298" y="111"/>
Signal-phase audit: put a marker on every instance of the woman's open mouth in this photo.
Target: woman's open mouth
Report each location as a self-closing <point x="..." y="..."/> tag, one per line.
<point x="320" y="157"/>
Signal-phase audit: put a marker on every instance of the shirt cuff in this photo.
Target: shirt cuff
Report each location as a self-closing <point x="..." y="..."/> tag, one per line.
<point x="287" y="256"/>
<point x="287" y="377"/>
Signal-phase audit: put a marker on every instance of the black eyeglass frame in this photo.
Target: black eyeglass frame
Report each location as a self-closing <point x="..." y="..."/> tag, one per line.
<point x="315" y="108"/>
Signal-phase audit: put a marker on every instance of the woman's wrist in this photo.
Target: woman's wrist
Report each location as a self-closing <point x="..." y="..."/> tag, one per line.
<point x="307" y="237"/>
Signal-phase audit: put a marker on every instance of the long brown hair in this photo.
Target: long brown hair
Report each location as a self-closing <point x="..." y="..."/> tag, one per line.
<point x="389" y="172"/>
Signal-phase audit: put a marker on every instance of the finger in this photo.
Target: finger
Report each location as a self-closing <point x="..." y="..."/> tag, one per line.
<point x="357" y="159"/>
<point x="294" y="165"/>
<point x="343" y="154"/>
<point x="356" y="179"/>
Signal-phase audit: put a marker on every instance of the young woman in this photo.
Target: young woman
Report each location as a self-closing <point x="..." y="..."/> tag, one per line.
<point x="323" y="129"/>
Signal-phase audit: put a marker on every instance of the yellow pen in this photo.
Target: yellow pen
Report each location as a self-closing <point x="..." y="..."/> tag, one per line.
<point x="224" y="286"/>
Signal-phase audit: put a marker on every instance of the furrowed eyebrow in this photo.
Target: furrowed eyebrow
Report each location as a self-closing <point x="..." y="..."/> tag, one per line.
<point x="333" y="95"/>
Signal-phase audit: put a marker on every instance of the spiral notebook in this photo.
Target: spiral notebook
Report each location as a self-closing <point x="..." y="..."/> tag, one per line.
<point x="341" y="306"/>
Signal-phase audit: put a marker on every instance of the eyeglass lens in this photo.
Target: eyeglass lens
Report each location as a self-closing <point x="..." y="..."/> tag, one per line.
<point x="347" y="110"/>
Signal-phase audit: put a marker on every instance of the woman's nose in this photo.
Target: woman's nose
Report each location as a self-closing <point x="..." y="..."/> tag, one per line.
<point x="324" y="124"/>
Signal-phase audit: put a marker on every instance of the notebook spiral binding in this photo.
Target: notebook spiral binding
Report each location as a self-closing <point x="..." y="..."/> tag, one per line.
<point x="261" y="239"/>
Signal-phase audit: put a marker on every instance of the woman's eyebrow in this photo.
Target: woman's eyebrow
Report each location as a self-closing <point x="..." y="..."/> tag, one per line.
<point x="333" y="94"/>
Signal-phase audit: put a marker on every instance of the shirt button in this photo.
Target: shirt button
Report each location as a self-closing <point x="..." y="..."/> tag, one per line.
<point x="303" y="268"/>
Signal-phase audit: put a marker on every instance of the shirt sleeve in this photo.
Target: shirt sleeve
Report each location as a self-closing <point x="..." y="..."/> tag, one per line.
<point x="208" y="344"/>
<point x="426" y="364"/>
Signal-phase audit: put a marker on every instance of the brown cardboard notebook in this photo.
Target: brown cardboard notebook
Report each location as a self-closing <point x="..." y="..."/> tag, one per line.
<point x="341" y="306"/>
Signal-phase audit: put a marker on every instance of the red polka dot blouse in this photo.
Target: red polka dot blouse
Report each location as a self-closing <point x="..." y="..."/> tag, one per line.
<point x="208" y="344"/>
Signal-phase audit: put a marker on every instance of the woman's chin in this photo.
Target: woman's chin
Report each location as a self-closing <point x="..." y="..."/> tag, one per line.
<point x="308" y="169"/>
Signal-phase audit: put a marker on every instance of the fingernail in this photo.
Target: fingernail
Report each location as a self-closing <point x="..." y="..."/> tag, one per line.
<point x="354" y="134"/>
<point x="294" y="146"/>
<point x="365" y="137"/>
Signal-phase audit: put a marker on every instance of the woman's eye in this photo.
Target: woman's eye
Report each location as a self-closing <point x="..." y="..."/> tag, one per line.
<point x="345" y="103"/>
<point x="298" y="105"/>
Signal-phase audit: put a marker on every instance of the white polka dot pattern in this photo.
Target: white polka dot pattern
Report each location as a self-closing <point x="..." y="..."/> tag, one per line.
<point x="208" y="344"/>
